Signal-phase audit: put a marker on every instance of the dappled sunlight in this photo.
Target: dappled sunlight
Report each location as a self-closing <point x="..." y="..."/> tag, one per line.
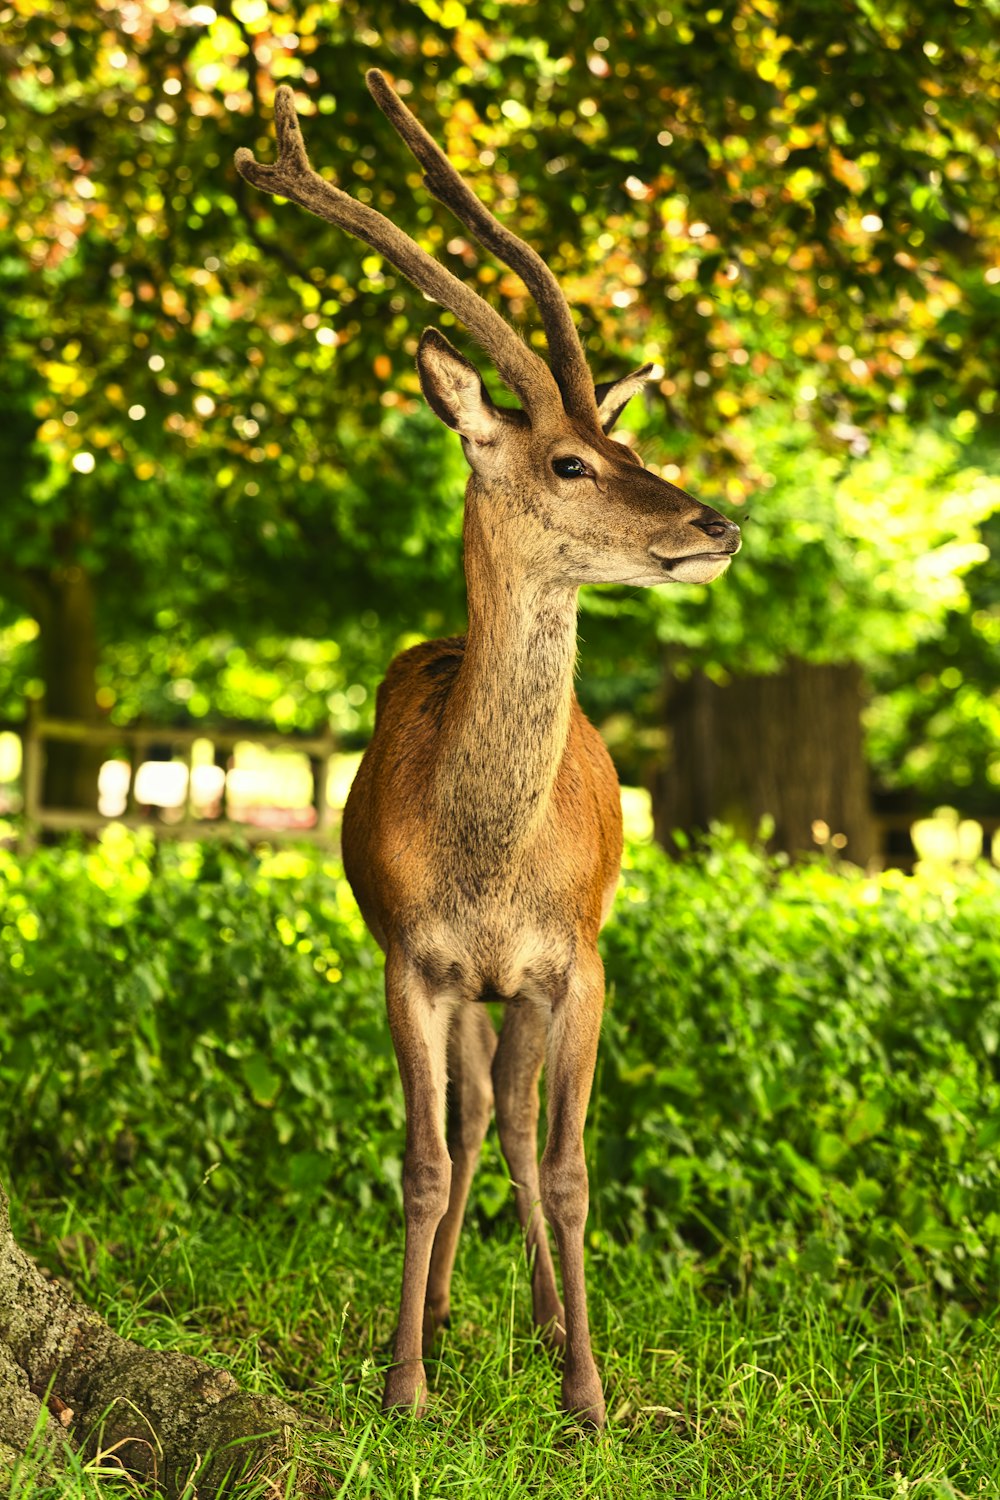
<point x="948" y="839"/>
<point x="637" y="814"/>
<point x="224" y="431"/>
<point x="227" y="508"/>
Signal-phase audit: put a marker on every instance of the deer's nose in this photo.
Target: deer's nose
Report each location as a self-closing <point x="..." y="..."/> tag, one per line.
<point x="727" y="533"/>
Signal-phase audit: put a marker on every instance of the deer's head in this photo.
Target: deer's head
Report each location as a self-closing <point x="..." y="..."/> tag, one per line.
<point x="547" y="478"/>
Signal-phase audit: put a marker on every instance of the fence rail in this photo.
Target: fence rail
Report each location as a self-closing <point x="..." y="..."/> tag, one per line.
<point x="38" y="729"/>
<point x="894" y="823"/>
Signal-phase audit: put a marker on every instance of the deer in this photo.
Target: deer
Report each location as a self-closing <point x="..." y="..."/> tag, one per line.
<point x="482" y="836"/>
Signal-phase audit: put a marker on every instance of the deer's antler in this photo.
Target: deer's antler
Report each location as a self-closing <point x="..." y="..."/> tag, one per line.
<point x="293" y="177"/>
<point x="566" y="354"/>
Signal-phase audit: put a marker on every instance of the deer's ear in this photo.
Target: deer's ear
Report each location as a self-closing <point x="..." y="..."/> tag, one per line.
<point x="454" y="390"/>
<point x="613" y="396"/>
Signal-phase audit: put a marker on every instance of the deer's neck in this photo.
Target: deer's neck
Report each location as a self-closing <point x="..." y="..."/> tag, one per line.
<point x="509" y="711"/>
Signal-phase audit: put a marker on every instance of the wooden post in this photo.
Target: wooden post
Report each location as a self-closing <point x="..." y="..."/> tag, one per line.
<point x="134" y="762"/>
<point x="221" y="756"/>
<point x="188" y="813"/>
<point x="32" y="775"/>
<point x="319" y="765"/>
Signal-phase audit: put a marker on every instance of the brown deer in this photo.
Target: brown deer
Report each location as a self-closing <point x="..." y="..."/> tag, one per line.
<point x="482" y="836"/>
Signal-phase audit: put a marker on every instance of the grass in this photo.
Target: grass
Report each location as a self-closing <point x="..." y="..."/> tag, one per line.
<point x="709" y="1395"/>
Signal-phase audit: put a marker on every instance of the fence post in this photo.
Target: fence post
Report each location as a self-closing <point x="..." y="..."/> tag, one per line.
<point x="32" y="772"/>
<point x="320" y="767"/>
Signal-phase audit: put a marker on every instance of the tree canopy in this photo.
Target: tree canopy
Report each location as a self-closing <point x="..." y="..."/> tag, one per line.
<point x="211" y="403"/>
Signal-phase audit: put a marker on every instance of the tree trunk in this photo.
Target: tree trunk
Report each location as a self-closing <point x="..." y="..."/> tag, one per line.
<point x="69" y="650"/>
<point x="788" y="746"/>
<point x="164" y="1416"/>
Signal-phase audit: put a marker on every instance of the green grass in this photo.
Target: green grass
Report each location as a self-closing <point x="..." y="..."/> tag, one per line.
<point x="870" y="1394"/>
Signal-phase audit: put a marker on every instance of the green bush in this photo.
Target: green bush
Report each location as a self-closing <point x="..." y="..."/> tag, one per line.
<point x="801" y="1066"/>
<point x="171" y="1012"/>
<point x="798" y="1072"/>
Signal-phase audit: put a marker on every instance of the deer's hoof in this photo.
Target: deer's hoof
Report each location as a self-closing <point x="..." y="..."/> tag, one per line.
<point x="406" y="1389"/>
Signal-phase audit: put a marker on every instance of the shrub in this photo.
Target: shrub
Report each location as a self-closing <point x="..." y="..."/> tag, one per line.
<point x="798" y="1069"/>
<point x="177" y="1011"/>
<point x="802" y="1066"/>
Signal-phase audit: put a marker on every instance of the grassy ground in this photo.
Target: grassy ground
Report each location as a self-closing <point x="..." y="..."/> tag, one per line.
<point x="707" y="1396"/>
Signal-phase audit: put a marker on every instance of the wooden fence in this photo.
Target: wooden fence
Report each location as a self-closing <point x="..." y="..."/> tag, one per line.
<point x="894" y="823"/>
<point x="138" y="740"/>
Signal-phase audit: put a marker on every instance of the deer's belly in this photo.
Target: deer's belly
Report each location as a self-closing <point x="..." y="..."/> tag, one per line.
<point x="482" y="960"/>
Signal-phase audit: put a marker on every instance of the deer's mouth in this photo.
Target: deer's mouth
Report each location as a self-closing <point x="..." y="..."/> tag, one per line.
<point x="695" y="567"/>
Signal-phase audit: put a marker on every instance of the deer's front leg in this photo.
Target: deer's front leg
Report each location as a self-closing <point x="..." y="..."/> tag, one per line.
<point x="419" y="1025"/>
<point x="470" y="1051"/>
<point x="572" y="1053"/>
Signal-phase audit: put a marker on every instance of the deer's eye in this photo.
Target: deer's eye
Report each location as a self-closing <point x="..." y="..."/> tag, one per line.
<point x="570" y="468"/>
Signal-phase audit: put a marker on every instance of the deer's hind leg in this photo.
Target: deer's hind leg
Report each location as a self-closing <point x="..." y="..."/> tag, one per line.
<point x="572" y="1052"/>
<point x="471" y="1046"/>
<point x="516" y="1069"/>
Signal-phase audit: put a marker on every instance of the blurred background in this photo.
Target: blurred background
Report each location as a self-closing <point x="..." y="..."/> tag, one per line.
<point x="225" y="505"/>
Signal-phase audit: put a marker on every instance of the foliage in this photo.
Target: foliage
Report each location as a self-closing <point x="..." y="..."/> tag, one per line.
<point x="848" y="555"/>
<point x="737" y="181"/>
<point x="218" y="991"/>
<point x="934" y="726"/>
<point x="817" y="1075"/>
<point x="761" y="195"/>
<point x="878" y="548"/>
<point x="797" y="1076"/>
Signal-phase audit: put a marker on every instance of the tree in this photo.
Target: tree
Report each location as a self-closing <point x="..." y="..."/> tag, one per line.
<point x="763" y="195"/>
<point x="862" y="561"/>
<point x="159" y="459"/>
<point x="167" y="1417"/>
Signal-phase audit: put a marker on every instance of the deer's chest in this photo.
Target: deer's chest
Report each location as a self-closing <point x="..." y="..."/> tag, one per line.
<point x="499" y="929"/>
